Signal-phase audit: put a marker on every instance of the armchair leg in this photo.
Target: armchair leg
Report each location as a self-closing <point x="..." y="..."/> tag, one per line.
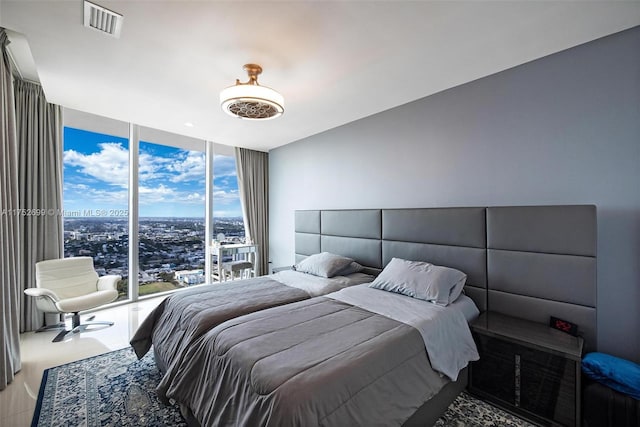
<point x="76" y="326"/>
<point x="75" y="320"/>
<point x="61" y="335"/>
<point x="86" y="325"/>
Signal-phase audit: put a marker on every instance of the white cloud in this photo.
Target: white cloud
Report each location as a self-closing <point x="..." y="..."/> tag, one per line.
<point x="158" y="194"/>
<point x="225" y="197"/>
<point x="110" y="164"/>
<point x="150" y="167"/>
<point x="162" y="179"/>
<point x="71" y="186"/>
<point x="189" y="168"/>
<point x="224" y="166"/>
<point x="196" y="196"/>
<point x="97" y="196"/>
<point x="164" y="194"/>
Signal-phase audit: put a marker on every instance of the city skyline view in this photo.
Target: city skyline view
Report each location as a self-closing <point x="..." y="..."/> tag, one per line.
<point x="171" y="251"/>
<point x="171" y="209"/>
<point x="171" y="179"/>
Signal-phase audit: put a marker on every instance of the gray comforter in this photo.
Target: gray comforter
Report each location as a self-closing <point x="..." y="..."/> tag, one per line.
<point x="184" y="316"/>
<point x="314" y="362"/>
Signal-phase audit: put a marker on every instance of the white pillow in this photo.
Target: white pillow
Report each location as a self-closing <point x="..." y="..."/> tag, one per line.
<point x="421" y="280"/>
<point x="324" y="264"/>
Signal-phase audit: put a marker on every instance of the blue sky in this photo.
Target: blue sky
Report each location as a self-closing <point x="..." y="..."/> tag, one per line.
<point x="171" y="180"/>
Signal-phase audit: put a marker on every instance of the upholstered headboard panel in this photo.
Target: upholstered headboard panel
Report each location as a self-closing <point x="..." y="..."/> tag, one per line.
<point x="528" y="261"/>
<point x="307" y="230"/>
<point x="352" y="233"/>
<point x="454" y="237"/>
<point x="541" y="262"/>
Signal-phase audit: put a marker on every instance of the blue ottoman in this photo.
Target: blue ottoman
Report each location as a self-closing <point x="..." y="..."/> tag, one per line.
<point x="611" y="392"/>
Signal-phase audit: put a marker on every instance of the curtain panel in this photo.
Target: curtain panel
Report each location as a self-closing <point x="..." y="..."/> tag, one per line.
<point x="39" y="134"/>
<point x="253" y="183"/>
<point x="10" y="291"/>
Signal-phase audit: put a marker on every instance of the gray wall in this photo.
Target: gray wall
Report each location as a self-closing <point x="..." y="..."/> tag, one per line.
<point x="563" y="129"/>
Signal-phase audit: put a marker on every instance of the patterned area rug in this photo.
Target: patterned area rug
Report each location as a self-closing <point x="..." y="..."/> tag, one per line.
<point x="467" y="411"/>
<point x="116" y="389"/>
<point x="112" y="389"/>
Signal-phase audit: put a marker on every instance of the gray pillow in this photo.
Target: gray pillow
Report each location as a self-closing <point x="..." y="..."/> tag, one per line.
<point x="353" y="267"/>
<point x="421" y="280"/>
<point x="324" y="264"/>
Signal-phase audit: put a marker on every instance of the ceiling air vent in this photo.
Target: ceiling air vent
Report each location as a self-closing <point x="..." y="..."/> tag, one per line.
<point x="101" y="19"/>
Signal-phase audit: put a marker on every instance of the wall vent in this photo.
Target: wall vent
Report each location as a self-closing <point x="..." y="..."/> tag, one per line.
<point x="101" y="19"/>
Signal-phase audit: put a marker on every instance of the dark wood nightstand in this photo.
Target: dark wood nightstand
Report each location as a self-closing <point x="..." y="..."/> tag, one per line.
<point x="527" y="368"/>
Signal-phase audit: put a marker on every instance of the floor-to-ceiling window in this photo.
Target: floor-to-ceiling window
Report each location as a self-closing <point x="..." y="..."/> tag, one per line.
<point x="168" y="209"/>
<point x="95" y="189"/>
<point x="171" y="211"/>
<point x="227" y="210"/>
<point x="227" y="225"/>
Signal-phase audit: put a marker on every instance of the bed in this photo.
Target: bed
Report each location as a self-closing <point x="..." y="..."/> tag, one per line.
<point x="434" y="234"/>
<point x="323" y="361"/>
<point x="183" y="316"/>
<point x="335" y="360"/>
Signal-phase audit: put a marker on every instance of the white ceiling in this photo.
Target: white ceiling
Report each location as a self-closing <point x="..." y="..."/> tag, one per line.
<point x="334" y="62"/>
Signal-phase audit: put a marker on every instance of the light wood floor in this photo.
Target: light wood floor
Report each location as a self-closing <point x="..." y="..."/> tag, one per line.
<point x="18" y="400"/>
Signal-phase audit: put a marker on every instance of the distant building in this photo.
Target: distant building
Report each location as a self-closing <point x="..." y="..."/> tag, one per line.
<point x="190" y="277"/>
<point x="166" y="245"/>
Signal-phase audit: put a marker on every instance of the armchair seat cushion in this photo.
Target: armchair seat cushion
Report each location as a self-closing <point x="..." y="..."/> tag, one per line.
<point x="85" y="302"/>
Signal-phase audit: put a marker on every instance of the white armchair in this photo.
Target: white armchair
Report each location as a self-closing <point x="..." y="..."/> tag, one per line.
<point x="71" y="285"/>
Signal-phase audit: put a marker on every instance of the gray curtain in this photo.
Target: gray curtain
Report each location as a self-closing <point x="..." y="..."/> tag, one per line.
<point x="253" y="183"/>
<point x="39" y="133"/>
<point x="10" y="291"/>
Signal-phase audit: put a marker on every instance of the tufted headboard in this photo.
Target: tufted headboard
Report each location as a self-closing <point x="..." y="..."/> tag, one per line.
<point x="526" y="261"/>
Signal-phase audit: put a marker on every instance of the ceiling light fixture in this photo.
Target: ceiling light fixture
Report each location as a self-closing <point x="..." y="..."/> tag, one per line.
<point x="251" y="101"/>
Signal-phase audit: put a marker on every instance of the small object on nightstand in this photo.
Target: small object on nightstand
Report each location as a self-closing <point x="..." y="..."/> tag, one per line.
<point x="564" y="326"/>
<point x="527" y="368"/>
